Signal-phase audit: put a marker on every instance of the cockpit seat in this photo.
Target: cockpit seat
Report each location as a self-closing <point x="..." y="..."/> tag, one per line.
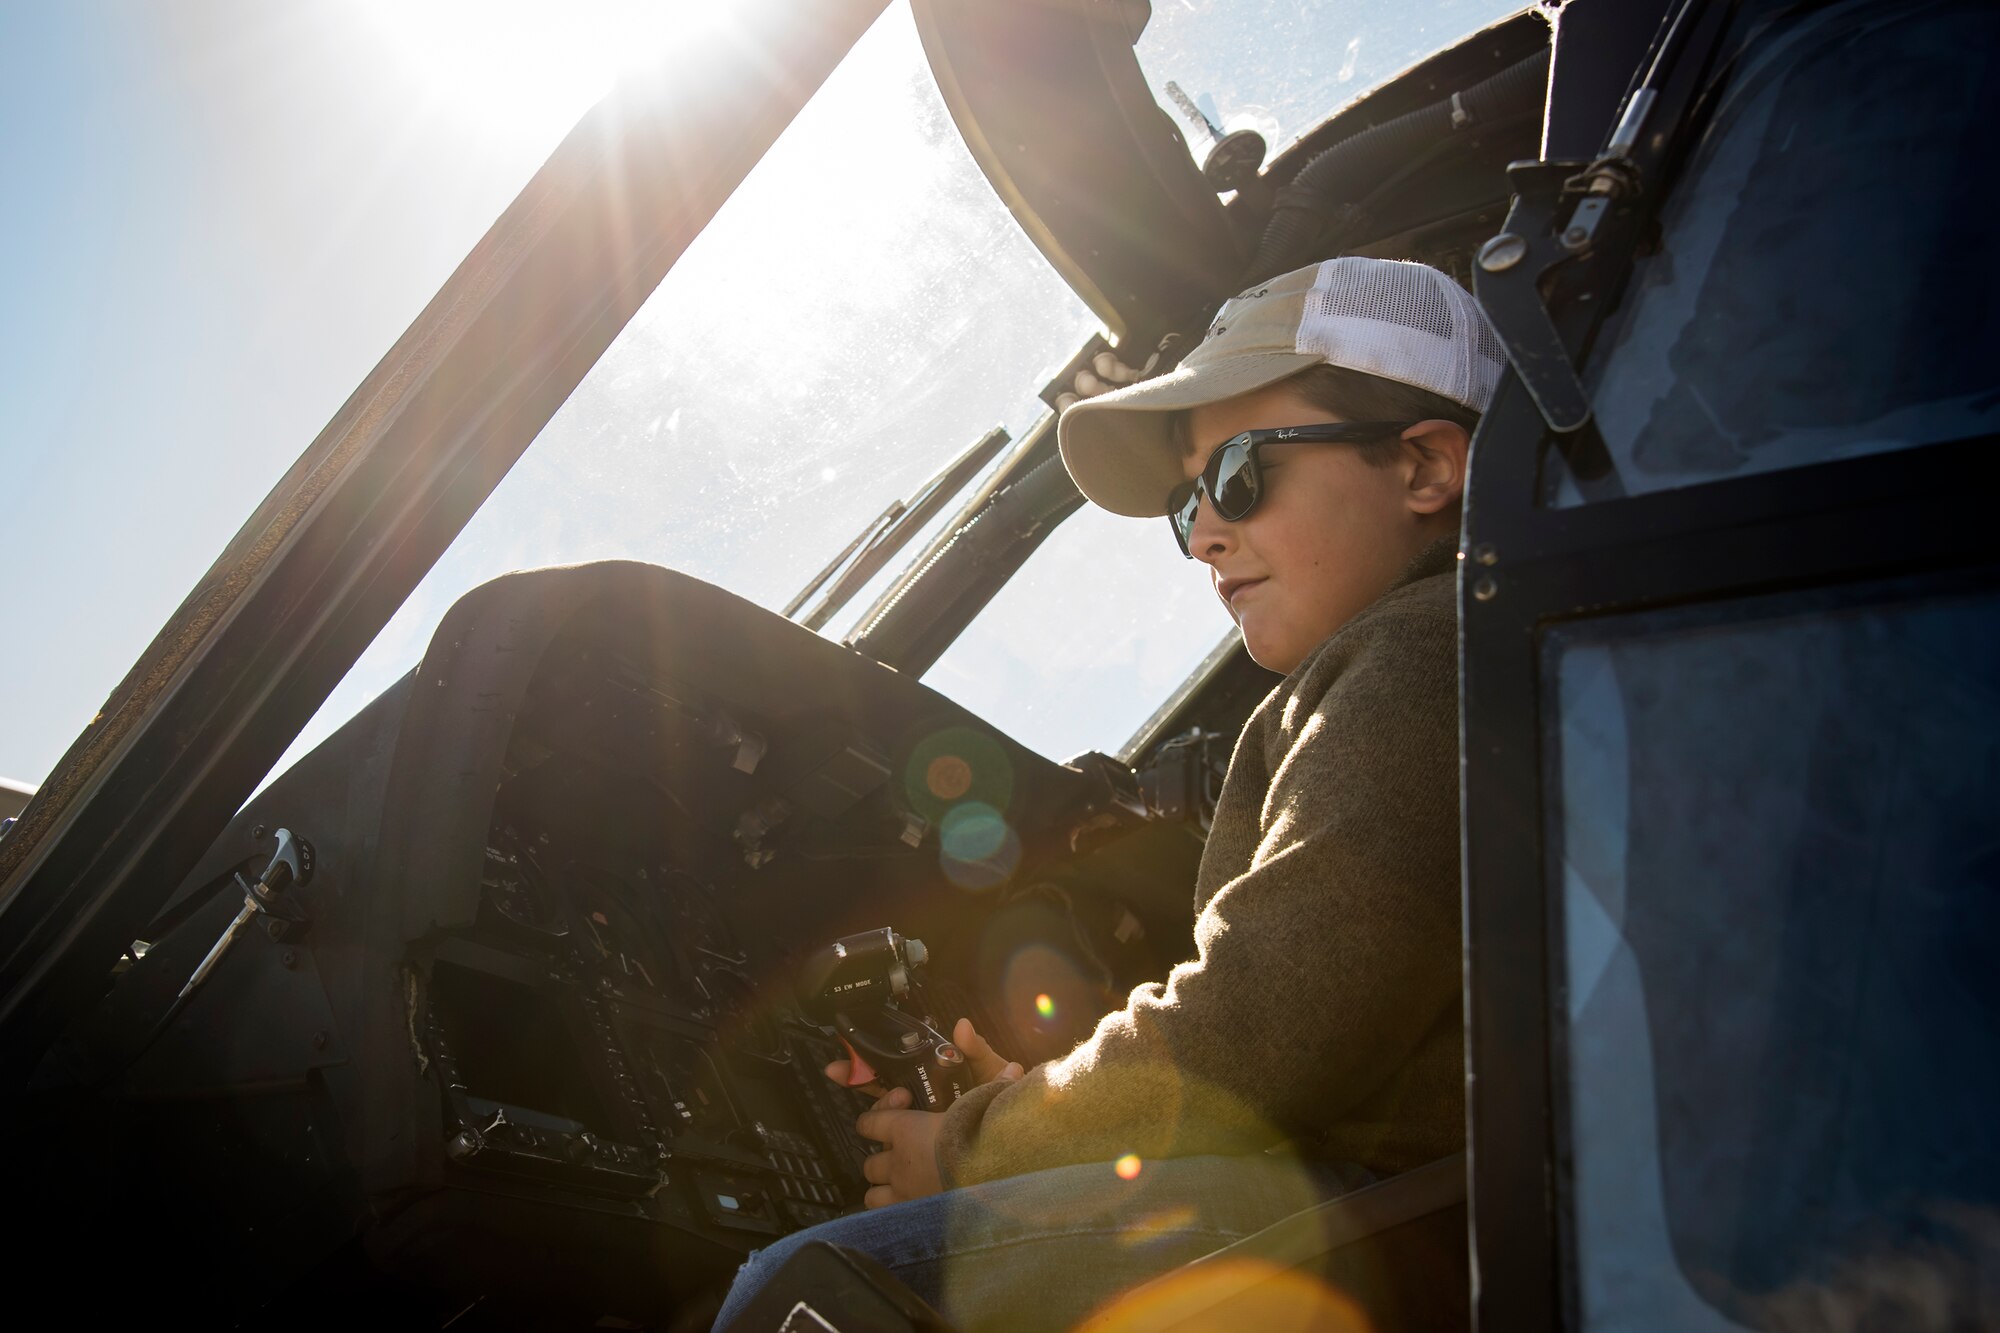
<point x="1389" y="1258"/>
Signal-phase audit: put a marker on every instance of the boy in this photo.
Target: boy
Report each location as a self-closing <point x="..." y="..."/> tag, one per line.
<point x="1311" y="452"/>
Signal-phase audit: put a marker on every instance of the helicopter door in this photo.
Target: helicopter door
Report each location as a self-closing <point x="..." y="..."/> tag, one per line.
<point x="1731" y="638"/>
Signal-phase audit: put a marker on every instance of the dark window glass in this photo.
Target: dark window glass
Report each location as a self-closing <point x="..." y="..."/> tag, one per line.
<point x="1776" y="830"/>
<point x="1825" y="286"/>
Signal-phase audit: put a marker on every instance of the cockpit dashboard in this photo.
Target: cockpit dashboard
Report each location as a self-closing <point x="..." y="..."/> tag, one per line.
<point x="529" y="1034"/>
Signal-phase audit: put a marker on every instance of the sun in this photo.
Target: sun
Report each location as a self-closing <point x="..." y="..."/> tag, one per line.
<point x="511" y="67"/>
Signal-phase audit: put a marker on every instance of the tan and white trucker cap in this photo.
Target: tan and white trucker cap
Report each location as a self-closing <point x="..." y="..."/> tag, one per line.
<point x="1388" y="317"/>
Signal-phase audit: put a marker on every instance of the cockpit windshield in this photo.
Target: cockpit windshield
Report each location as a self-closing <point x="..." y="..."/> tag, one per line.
<point x="860" y="311"/>
<point x="1238" y="61"/>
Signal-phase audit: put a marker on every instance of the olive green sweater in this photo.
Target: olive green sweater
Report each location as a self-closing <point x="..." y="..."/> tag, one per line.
<point x="1322" y="1004"/>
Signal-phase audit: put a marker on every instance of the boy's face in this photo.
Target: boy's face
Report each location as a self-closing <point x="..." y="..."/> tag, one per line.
<point x="1331" y="531"/>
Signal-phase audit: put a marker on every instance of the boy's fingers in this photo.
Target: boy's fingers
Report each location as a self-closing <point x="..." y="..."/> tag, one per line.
<point x="976" y="1049"/>
<point x="1011" y="1072"/>
<point x="987" y="1063"/>
<point x="880" y="1124"/>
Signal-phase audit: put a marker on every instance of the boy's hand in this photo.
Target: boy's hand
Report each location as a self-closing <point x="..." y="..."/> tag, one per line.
<point x="906" y="1167"/>
<point x="987" y="1064"/>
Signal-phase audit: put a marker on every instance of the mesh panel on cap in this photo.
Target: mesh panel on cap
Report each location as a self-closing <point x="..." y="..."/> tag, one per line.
<point x="1405" y="322"/>
<point x="1392" y="293"/>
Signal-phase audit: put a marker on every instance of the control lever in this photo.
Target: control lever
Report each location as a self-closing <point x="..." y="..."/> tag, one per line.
<point x="865" y="990"/>
<point x="291" y="866"/>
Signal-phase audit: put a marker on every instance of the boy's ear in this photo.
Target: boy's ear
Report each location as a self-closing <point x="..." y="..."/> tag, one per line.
<point x="1436" y="465"/>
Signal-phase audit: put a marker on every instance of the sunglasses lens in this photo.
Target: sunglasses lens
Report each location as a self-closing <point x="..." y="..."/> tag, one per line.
<point x="1233" y="482"/>
<point x="1181" y="505"/>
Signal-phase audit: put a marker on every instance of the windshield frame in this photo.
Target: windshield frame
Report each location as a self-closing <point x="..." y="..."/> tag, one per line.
<point x="357" y="521"/>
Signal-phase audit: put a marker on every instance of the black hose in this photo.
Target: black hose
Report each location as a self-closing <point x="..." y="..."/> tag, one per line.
<point x="1331" y="182"/>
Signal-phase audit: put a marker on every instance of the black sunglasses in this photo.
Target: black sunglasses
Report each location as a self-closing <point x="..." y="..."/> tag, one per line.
<point x="1234" y="482"/>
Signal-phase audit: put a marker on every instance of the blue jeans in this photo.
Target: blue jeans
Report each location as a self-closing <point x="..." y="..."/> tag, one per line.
<point x="1045" y="1249"/>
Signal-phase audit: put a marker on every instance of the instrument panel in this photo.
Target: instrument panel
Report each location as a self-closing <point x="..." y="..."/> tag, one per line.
<point x="530" y="1036"/>
<point x="599" y="1029"/>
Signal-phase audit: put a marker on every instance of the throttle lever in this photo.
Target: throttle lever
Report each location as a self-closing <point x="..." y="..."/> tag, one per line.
<point x="859" y="1072"/>
<point x="863" y="990"/>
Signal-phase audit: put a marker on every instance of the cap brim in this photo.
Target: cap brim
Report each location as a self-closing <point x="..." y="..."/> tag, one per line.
<point x="1118" y="447"/>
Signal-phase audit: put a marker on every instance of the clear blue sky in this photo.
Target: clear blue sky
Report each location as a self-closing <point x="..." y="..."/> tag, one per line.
<point x="232" y="209"/>
<point x="218" y="214"/>
<point x="217" y="217"/>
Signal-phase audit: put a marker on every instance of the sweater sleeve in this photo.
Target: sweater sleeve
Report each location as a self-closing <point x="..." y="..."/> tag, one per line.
<point x="1318" y="968"/>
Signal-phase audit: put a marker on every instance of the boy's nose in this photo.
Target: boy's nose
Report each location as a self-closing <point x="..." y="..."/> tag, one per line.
<point x="1210" y="538"/>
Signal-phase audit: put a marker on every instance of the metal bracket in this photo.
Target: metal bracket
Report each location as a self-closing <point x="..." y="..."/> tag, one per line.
<point x="1511" y="266"/>
<point x="1507" y="282"/>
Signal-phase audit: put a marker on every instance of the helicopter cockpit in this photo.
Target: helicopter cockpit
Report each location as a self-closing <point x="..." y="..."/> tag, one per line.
<point x="483" y="1009"/>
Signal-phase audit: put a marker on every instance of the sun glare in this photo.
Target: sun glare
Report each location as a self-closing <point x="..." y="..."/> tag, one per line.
<point x="528" y="66"/>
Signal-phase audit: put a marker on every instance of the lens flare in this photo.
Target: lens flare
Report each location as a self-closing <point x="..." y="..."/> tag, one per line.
<point x="972" y="832"/>
<point x="1162" y="1224"/>
<point x="1258" y="1295"/>
<point x="976" y="847"/>
<point x="957" y="764"/>
<point x="1127" y="1166"/>
<point x="948" y="777"/>
<point x="519" y="66"/>
<point x="1045" y="1006"/>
